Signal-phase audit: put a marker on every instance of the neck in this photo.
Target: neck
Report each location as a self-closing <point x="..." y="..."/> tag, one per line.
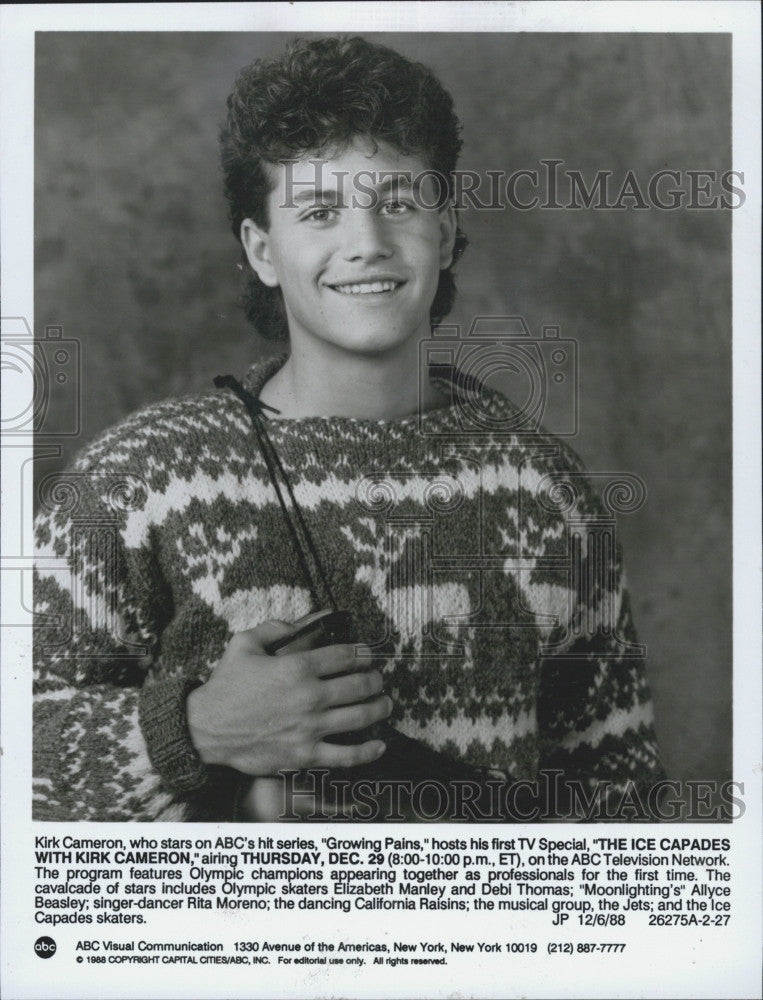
<point x="338" y="383"/>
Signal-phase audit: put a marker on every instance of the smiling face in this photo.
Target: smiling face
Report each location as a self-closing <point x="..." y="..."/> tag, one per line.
<point x="356" y="253"/>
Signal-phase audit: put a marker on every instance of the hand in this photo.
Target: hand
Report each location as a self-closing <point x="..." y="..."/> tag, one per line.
<point x="260" y="713"/>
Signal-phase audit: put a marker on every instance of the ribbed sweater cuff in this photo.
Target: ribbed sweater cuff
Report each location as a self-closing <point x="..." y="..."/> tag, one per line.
<point x="164" y="724"/>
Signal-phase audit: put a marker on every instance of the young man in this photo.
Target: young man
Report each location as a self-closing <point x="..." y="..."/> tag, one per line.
<point x="502" y="637"/>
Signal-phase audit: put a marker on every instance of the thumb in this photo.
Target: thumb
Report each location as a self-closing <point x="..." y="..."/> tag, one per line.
<point x="267" y="634"/>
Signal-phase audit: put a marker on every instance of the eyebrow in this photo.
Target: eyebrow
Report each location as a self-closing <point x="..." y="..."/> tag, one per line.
<point x="398" y="182"/>
<point x="315" y="194"/>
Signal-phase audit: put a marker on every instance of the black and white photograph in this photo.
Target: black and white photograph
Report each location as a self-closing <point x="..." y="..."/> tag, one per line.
<point x="442" y="519"/>
<point x="381" y="450"/>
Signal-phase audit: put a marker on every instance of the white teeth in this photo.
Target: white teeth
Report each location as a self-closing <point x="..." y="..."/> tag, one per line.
<point x="366" y="288"/>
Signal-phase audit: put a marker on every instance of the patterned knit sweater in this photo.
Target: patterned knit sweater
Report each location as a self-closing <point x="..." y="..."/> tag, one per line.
<point x="477" y="559"/>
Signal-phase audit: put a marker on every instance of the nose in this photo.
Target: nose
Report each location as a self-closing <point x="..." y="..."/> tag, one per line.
<point x="365" y="237"/>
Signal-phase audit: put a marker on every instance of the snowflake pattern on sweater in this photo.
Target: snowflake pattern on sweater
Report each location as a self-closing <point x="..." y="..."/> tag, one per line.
<point x="480" y="562"/>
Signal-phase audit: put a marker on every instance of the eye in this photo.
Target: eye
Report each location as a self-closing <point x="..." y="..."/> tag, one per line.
<point x="394" y="207"/>
<point x="321" y="213"/>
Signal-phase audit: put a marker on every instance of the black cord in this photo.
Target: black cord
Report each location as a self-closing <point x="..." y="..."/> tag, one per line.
<point x="255" y="408"/>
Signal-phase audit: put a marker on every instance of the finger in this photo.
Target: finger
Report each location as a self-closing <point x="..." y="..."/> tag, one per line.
<point x="352" y="717"/>
<point x="331" y="660"/>
<point x="334" y="755"/>
<point x="299" y="644"/>
<point x="351" y="688"/>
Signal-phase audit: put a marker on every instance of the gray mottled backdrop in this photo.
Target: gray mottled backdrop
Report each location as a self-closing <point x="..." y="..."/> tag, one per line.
<point x="135" y="260"/>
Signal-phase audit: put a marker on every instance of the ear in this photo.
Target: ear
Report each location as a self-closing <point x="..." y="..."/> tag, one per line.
<point x="448" y="227"/>
<point x="256" y="243"/>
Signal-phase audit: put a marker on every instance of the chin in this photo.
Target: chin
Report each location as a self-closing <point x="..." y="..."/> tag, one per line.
<point x="380" y="336"/>
<point x="375" y="342"/>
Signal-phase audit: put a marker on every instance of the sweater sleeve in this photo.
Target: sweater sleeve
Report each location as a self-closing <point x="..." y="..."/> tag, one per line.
<point x="98" y="681"/>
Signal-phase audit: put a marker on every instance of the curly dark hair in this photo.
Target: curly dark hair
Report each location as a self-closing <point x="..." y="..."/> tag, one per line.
<point x="314" y="98"/>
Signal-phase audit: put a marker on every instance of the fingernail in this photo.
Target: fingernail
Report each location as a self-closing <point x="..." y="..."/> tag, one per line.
<point x="381" y="747"/>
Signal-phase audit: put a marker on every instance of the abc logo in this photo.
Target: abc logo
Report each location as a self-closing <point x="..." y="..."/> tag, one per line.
<point x="45" y="947"/>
